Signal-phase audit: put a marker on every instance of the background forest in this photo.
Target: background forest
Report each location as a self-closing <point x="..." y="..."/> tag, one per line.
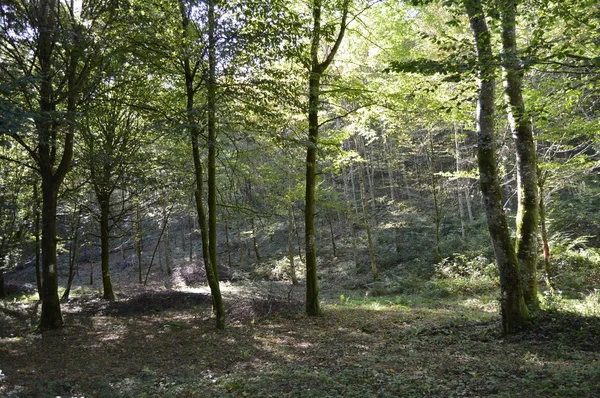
<point x="424" y="174"/>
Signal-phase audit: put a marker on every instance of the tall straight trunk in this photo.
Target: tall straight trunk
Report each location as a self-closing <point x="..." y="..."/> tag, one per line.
<point x="291" y="228"/>
<point x="437" y="217"/>
<point x="297" y="233"/>
<point x="313" y="306"/>
<point x="73" y="254"/>
<point x="182" y="231"/>
<point x="227" y="244"/>
<point x="468" y="202"/>
<point x="2" y="288"/>
<point x="211" y="93"/>
<point x="207" y="228"/>
<point x="317" y="68"/>
<point x="37" y="226"/>
<point x="254" y="241"/>
<point x="350" y="223"/>
<point x="461" y="210"/>
<point x="91" y="252"/>
<point x="332" y="235"/>
<point x="138" y="241"/>
<point x="514" y="311"/>
<point x="167" y="249"/>
<point x="522" y="131"/>
<point x="390" y="169"/>
<point x="51" y="317"/>
<point x="192" y="232"/>
<point x="365" y="208"/>
<point x="544" y="231"/>
<point x="104" y="202"/>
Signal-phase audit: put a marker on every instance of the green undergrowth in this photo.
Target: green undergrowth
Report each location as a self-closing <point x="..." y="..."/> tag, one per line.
<point x="406" y="335"/>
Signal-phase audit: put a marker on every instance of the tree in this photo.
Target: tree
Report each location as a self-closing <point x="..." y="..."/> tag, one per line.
<point x="514" y="310"/>
<point x="317" y="69"/>
<point x="522" y="130"/>
<point x="43" y="44"/>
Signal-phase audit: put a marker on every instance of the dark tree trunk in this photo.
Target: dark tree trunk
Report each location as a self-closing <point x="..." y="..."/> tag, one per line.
<point x="544" y="231"/>
<point x="73" y="255"/>
<point x="211" y="93"/>
<point x="317" y="68"/>
<point x="207" y="229"/>
<point x="312" y="285"/>
<point x="51" y="317"/>
<point x="138" y="241"/>
<point x="514" y="310"/>
<point x="2" y="289"/>
<point x="365" y="208"/>
<point x="291" y="228"/>
<point x="254" y="241"/>
<point x="104" y="202"/>
<point x="37" y="226"/>
<point x="522" y="131"/>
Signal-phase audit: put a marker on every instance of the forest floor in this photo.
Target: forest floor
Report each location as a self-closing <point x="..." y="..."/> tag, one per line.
<point x="160" y="341"/>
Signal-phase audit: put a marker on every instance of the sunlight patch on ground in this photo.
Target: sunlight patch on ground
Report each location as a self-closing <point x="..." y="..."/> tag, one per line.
<point x="479" y="305"/>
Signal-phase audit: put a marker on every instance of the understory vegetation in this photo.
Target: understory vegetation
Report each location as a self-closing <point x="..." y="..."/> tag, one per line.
<point x="324" y="198"/>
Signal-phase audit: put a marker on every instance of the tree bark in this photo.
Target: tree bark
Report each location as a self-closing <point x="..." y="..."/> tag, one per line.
<point x="73" y="255"/>
<point x="138" y="241"/>
<point x="291" y="245"/>
<point x="104" y="202"/>
<point x="514" y="311"/>
<point x="317" y="68"/>
<point x="365" y="208"/>
<point x="522" y="131"/>
<point x="207" y="228"/>
<point x="37" y="223"/>
<point x="544" y="231"/>
<point x="437" y="218"/>
<point x="461" y="210"/>
<point x="254" y="241"/>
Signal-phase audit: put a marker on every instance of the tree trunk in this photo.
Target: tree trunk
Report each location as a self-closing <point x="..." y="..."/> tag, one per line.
<point x="544" y="232"/>
<point x="168" y="252"/>
<point x="91" y="250"/>
<point x="437" y="217"/>
<point x="291" y="245"/>
<point x="513" y="308"/>
<point x="522" y="131"/>
<point x="192" y="232"/>
<point x="51" y="317"/>
<point x="104" y="202"/>
<point x="207" y="229"/>
<point x="313" y="306"/>
<point x="365" y="208"/>
<point x="461" y="210"/>
<point x="227" y="245"/>
<point x="332" y="235"/>
<point x="38" y="269"/>
<point x="2" y="289"/>
<point x="254" y="241"/>
<point x="182" y="230"/>
<point x="73" y="255"/>
<point x="138" y="241"/>
<point x="212" y="170"/>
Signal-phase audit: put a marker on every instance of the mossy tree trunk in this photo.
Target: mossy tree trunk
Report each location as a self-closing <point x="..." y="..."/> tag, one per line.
<point x="526" y="165"/>
<point x="317" y="68"/>
<point x="514" y="311"/>
<point x="207" y="227"/>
